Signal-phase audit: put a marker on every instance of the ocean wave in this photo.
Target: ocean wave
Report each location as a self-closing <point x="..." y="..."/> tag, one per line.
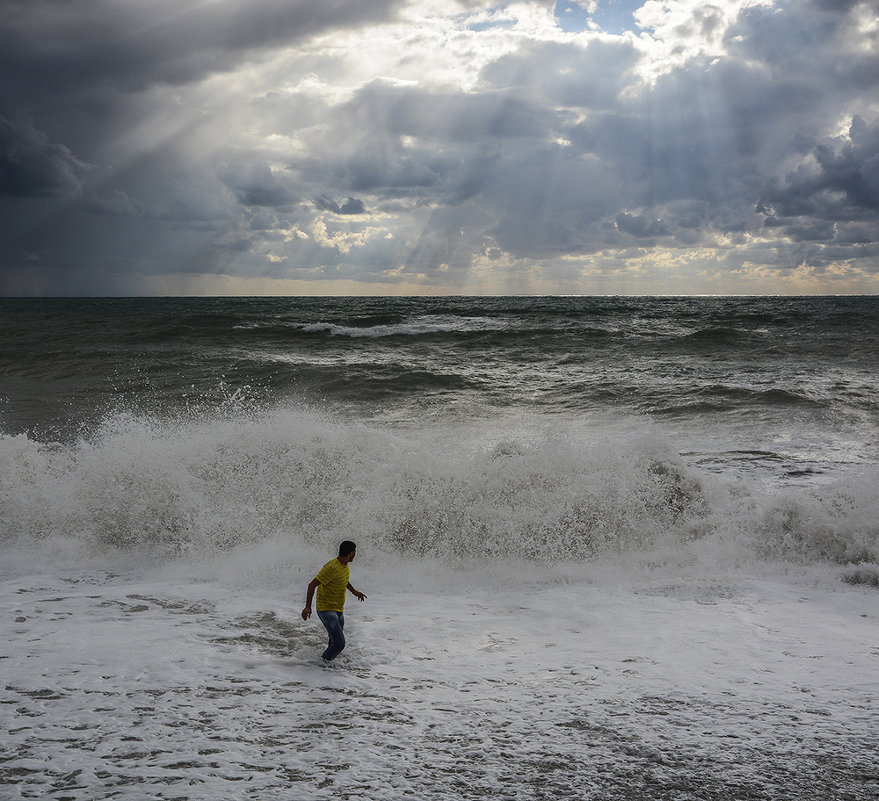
<point x="462" y="495"/>
<point x="420" y="326"/>
<point x="717" y="335"/>
<point x="753" y="397"/>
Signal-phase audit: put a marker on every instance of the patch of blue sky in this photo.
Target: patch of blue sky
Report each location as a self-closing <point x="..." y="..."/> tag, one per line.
<point x="610" y="16"/>
<point x="490" y="24"/>
<point x="572" y="17"/>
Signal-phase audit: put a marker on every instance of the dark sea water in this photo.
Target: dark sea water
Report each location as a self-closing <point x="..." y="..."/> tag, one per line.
<point x="614" y="548"/>
<point x="69" y="363"/>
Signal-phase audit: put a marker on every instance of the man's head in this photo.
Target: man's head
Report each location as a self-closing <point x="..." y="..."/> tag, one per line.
<point x="347" y="551"/>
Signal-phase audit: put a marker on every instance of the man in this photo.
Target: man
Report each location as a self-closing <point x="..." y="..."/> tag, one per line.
<point x="331" y="584"/>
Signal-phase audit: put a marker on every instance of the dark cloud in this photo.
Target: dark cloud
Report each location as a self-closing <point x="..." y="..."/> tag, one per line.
<point x="819" y="48"/>
<point x="394" y="141"/>
<point x="83" y="72"/>
<point x="641" y="227"/>
<point x="57" y="47"/>
<point x="839" y="183"/>
<point x="352" y="205"/>
<point x="31" y="165"/>
<point x="392" y="111"/>
<point x="256" y="184"/>
<point x="853" y="168"/>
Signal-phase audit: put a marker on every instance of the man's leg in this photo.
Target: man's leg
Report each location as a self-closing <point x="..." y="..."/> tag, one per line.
<point x="334" y="623"/>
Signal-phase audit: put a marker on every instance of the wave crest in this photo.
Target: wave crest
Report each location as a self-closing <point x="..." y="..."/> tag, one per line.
<point x="420" y="326"/>
<point x="171" y="488"/>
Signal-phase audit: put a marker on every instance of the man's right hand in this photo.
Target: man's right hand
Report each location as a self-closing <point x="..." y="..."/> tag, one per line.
<point x="306" y="613"/>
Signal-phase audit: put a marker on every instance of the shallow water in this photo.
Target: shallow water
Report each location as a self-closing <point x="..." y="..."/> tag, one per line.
<point x="119" y="686"/>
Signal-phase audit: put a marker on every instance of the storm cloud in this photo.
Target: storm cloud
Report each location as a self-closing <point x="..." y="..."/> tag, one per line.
<point x="341" y="146"/>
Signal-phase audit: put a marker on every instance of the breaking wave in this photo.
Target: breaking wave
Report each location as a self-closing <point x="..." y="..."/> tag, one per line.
<point x="547" y="495"/>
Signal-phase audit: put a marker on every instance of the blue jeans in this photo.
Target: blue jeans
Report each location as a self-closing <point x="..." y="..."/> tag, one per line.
<point x="333" y="622"/>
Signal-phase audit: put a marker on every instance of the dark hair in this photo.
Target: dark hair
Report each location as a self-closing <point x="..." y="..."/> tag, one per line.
<point x="346" y="547"/>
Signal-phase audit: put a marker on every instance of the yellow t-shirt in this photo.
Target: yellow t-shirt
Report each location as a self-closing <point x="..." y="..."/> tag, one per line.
<point x="333" y="578"/>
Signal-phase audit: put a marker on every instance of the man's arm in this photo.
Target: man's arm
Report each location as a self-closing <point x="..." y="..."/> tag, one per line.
<point x="358" y="595"/>
<point x="306" y="613"/>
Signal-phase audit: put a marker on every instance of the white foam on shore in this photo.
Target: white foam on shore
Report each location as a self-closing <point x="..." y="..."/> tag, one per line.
<point x="200" y="681"/>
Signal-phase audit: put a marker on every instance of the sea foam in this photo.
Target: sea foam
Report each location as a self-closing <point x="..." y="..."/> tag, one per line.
<point x="547" y="493"/>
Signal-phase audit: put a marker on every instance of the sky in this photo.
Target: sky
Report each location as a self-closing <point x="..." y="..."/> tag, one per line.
<point x="395" y="147"/>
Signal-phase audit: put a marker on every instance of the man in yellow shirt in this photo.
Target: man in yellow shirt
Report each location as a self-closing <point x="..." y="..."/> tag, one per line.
<point x="331" y="584"/>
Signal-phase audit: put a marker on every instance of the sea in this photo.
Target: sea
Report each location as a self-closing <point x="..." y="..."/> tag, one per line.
<point x="612" y="548"/>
